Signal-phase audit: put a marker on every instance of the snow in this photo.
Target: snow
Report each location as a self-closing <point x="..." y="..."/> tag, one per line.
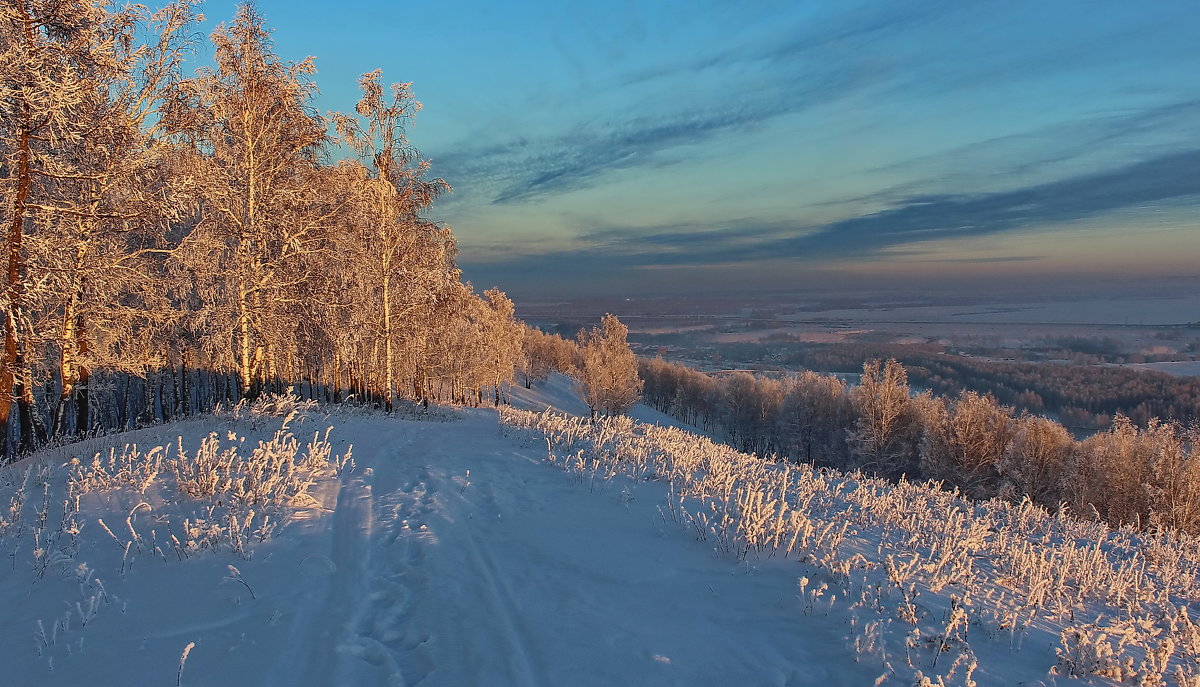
<point x="558" y="392"/>
<point x="1181" y="368"/>
<point x="449" y="556"/>
<point x="447" y="551"/>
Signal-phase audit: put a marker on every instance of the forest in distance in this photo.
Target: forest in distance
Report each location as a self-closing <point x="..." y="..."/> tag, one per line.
<point x="969" y="442"/>
<point x="176" y="242"/>
<point x="1082" y="375"/>
<point x="1083" y="397"/>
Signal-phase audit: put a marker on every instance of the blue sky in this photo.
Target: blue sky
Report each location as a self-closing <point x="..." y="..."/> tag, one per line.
<point x="699" y="146"/>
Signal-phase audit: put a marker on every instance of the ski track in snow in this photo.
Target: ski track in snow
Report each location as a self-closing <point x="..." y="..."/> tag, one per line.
<point x="458" y="556"/>
<point x="513" y="574"/>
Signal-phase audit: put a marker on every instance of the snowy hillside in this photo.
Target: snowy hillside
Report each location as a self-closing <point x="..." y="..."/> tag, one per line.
<point x="456" y="550"/>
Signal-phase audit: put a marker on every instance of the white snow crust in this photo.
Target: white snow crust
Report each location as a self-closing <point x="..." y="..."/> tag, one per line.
<point x="443" y="550"/>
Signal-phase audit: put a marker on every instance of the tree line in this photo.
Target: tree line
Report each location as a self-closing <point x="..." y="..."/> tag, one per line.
<point x="1083" y="397"/>
<point x="1127" y="474"/>
<point x="176" y="241"/>
<point x="600" y="361"/>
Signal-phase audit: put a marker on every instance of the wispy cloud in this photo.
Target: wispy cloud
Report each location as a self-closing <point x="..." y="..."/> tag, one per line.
<point x="532" y="168"/>
<point x="915" y="123"/>
<point x="528" y="169"/>
<point x="783" y="74"/>
<point x="811" y="61"/>
<point x="987" y="261"/>
<point x="1106" y="138"/>
<point x="919" y="219"/>
<point x="915" y="220"/>
<point x="799" y="42"/>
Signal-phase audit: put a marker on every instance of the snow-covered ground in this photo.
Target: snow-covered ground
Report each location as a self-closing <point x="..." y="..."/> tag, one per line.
<point x="1182" y="368"/>
<point x="447" y="550"/>
<point x="558" y="393"/>
<point x="449" y="555"/>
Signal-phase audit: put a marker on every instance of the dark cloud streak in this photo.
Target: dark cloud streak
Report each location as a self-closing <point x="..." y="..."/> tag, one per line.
<point x="1148" y="182"/>
<point x="917" y="219"/>
<point x="793" y="77"/>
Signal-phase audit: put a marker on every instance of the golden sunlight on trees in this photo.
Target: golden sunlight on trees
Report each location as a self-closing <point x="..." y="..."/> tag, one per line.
<point x="1147" y="476"/>
<point x="254" y="163"/>
<point x="392" y="240"/>
<point x="886" y="436"/>
<point x="608" y="380"/>
<point x="176" y="242"/>
<point x="81" y="168"/>
<point x="965" y="442"/>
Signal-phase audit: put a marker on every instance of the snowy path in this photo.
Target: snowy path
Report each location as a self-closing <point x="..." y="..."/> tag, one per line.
<point x="453" y="555"/>
<point x="450" y="556"/>
<point x="512" y="574"/>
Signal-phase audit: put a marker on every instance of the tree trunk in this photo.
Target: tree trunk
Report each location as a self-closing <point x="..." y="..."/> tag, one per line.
<point x="337" y="379"/>
<point x="389" y="372"/>
<point x="123" y="413"/>
<point x="183" y="402"/>
<point x="32" y="430"/>
<point x="165" y="401"/>
<point x="13" y="284"/>
<point x="245" y="346"/>
<point x="83" y="419"/>
<point x="148" y="414"/>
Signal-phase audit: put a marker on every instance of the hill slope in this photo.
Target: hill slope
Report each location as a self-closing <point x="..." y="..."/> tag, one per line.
<point x="449" y="555"/>
<point x="453" y="550"/>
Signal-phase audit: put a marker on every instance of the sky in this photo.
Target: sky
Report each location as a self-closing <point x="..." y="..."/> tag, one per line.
<point x="687" y="147"/>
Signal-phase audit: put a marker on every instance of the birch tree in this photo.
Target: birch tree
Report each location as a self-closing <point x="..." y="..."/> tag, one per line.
<point x="885" y="437"/>
<point x="608" y="381"/>
<point x="393" y="242"/>
<point x="812" y="416"/>
<point x="502" y="341"/>
<point x="965" y="444"/>
<point x="45" y="51"/>
<point x="111" y="216"/>
<point x="77" y="89"/>
<point x="1036" y="459"/>
<point x="541" y="354"/>
<point x="257" y="146"/>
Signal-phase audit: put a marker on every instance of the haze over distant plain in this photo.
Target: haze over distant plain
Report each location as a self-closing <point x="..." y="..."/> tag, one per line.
<point x="699" y="147"/>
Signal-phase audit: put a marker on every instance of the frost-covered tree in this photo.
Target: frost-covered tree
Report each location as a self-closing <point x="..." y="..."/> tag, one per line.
<point x="257" y="147"/>
<point x="749" y="407"/>
<point x="608" y="381"/>
<point x="812" y="415"/>
<point x="106" y="304"/>
<point x="174" y="243"/>
<point x="886" y="436"/>
<point x="403" y="255"/>
<point x="964" y="444"/>
<point x="1035" y="460"/>
<point x="81" y="83"/>
<point x="1131" y="474"/>
<point x="48" y="50"/>
<point x="503" y="343"/>
<point x="543" y="353"/>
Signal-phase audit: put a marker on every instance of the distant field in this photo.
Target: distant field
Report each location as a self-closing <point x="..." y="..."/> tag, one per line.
<point x="1185" y="368"/>
<point x="1166" y="310"/>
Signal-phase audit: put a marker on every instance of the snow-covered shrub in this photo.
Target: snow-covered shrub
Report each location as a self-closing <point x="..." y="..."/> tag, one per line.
<point x="287" y="405"/>
<point x="932" y="572"/>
